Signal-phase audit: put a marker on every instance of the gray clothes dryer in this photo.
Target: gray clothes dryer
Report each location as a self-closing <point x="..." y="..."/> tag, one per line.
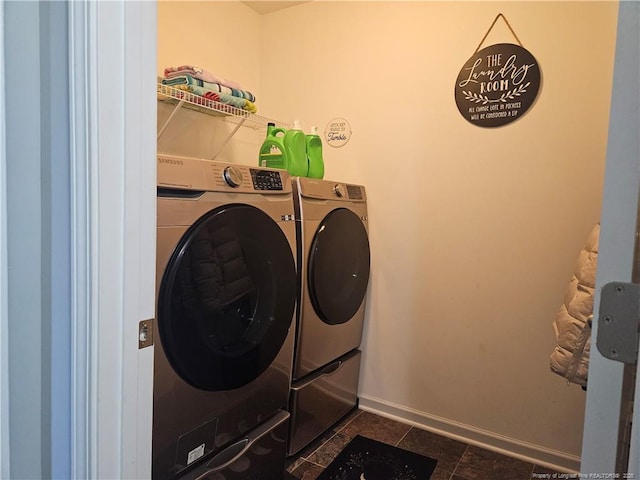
<point x="226" y="292"/>
<point x="333" y="275"/>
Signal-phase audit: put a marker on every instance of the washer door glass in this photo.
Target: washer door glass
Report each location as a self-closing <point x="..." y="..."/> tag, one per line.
<point x="226" y="298"/>
<point x="338" y="266"/>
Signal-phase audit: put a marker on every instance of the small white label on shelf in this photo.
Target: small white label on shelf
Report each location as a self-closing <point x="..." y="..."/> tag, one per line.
<point x="337" y="132"/>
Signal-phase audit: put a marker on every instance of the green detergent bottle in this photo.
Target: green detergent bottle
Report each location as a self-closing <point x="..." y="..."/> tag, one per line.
<point x="273" y="153"/>
<point x="295" y="144"/>
<point x="314" y="154"/>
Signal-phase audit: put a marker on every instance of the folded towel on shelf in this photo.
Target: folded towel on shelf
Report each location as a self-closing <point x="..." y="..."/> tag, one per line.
<point x="242" y="103"/>
<point x="197" y="99"/>
<point x="200" y="73"/>
<point x="237" y="102"/>
<point x="187" y="79"/>
<point x="202" y="96"/>
<point x="212" y="96"/>
<point x="231" y="100"/>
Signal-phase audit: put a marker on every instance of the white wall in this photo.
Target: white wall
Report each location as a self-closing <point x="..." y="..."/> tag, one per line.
<point x="474" y="232"/>
<point x="224" y="38"/>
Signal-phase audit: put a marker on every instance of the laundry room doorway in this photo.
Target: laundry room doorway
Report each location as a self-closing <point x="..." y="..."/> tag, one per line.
<point x="118" y="140"/>
<point x="601" y="404"/>
<point x="599" y="400"/>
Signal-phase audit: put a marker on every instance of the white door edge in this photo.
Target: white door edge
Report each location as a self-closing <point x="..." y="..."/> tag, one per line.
<point x="4" y="318"/>
<point x="113" y="105"/>
<point x="617" y="245"/>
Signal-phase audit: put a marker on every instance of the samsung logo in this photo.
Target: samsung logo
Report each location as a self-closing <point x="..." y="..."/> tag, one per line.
<point x="170" y="161"/>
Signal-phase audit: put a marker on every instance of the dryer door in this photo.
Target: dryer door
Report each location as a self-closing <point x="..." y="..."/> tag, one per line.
<point x="226" y="299"/>
<point x="338" y="266"/>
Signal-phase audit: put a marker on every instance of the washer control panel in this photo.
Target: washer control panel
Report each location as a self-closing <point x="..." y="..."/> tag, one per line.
<point x="187" y="173"/>
<point x="266" y="179"/>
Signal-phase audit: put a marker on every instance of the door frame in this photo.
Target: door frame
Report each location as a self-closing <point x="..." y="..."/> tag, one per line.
<point x="4" y="316"/>
<point x="113" y="163"/>
<point x="606" y="388"/>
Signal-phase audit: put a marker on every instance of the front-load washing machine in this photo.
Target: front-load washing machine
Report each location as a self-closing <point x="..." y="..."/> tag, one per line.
<point x="333" y="274"/>
<point x="226" y="292"/>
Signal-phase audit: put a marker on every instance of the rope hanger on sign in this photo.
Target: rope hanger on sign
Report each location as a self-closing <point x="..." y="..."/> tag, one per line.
<point x="491" y="27"/>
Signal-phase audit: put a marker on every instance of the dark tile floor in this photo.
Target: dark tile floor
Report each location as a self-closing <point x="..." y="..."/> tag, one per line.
<point x="456" y="460"/>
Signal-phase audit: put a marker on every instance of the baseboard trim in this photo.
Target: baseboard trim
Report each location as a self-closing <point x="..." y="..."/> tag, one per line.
<point x="511" y="447"/>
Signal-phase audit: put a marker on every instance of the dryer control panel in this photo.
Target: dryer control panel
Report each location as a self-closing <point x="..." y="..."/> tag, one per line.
<point x="328" y="190"/>
<point x="355" y="192"/>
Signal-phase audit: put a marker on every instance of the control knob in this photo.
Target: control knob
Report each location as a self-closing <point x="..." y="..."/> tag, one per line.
<point x="338" y="190"/>
<point x="232" y="176"/>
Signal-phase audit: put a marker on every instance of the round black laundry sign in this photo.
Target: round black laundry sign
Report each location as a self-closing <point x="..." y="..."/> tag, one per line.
<point x="497" y="85"/>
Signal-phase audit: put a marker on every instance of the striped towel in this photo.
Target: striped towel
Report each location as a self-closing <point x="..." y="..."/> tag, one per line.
<point x="214" y="87"/>
<point x="237" y="102"/>
<point x="201" y="74"/>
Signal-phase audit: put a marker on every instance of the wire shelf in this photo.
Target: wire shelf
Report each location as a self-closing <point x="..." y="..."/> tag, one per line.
<point x="182" y="98"/>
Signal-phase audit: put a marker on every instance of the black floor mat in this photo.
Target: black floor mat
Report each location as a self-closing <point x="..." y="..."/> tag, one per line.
<point x="367" y="459"/>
